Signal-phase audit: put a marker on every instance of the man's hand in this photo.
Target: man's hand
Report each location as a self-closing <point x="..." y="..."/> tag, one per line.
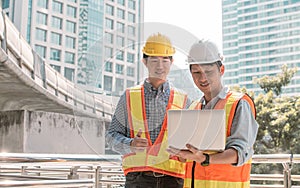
<point x="138" y="144"/>
<point x="191" y="153"/>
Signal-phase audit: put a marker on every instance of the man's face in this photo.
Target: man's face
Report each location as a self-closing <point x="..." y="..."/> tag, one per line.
<point x="158" y="67"/>
<point x="208" y="78"/>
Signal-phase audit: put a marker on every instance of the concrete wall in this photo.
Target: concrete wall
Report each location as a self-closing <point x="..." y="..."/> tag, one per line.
<point x="11" y="131"/>
<point x="44" y="132"/>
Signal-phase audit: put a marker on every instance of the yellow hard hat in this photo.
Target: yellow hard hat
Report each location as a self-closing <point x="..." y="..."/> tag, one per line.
<point x="158" y="45"/>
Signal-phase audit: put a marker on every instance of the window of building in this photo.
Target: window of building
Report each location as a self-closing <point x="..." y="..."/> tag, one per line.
<point x="40" y="50"/>
<point x="108" y="52"/>
<point x="41" y="35"/>
<point x="5" y="4"/>
<point x="57" y="7"/>
<point x="119" y="84"/>
<point x="41" y="3"/>
<point x="120" y="55"/>
<point x="69" y="58"/>
<point x="56" y="22"/>
<point x="41" y="18"/>
<point x="69" y="74"/>
<point x="56" y="67"/>
<point x="131" y="17"/>
<point x="109" y="23"/>
<point x="121" y="13"/>
<point x="108" y="66"/>
<point x="71" y="11"/>
<point x="56" y="38"/>
<point x="71" y="26"/>
<point x="130" y="71"/>
<point x="119" y="69"/>
<point x="109" y="10"/>
<point x="131" y="4"/>
<point x="120" y="41"/>
<point x="70" y="42"/>
<point x="131" y="44"/>
<point x="107" y="83"/>
<point x="121" y="2"/>
<point x="129" y="83"/>
<point x="109" y="38"/>
<point x="55" y="54"/>
<point x="130" y="57"/>
<point x="121" y="27"/>
<point x="131" y="30"/>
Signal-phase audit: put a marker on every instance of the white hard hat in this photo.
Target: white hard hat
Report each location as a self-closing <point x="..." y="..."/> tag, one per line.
<point x="204" y="52"/>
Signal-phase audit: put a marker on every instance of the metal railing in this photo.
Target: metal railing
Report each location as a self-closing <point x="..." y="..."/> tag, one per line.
<point x="61" y="170"/>
<point x="286" y="178"/>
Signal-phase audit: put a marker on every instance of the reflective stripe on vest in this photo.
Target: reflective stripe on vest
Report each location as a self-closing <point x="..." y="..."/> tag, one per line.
<point x="155" y="158"/>
<point x="221" y="175"/>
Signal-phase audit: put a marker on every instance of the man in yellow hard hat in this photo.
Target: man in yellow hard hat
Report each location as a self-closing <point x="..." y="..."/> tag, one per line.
<point x="230" y="168"/>
<point x="138" y="128"/>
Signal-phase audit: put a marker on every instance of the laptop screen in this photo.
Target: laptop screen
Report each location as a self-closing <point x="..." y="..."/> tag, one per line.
<point x="204" y="129"/>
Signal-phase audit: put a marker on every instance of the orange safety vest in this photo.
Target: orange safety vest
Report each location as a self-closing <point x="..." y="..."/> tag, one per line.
<point x="155" y="158"/>
<point x="221" y="175"/>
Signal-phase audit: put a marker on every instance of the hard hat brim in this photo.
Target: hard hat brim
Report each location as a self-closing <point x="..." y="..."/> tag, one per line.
<point x="159" y="55"/>
<point x="203" y="62"/>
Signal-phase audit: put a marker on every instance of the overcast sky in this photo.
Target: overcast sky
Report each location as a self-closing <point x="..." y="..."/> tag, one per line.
<point x="184" y="21"/>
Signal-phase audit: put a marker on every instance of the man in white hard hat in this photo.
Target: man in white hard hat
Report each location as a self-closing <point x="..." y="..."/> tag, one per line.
<point x="139" y="126"/>
<point x="230" y="168"/>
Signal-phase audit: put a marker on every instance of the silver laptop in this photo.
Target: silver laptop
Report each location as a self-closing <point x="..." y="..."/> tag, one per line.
<point x="204" y="129"/>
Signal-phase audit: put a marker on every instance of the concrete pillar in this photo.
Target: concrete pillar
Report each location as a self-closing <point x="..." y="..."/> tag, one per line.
<point x="11" y="131"/>
<point x="45" y="132"/>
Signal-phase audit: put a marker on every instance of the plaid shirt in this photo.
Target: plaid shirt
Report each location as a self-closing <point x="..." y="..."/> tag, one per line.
<point x="156" y="101"/>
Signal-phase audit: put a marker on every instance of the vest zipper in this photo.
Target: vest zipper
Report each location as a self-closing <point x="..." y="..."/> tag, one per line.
<point x="193" y="174"/>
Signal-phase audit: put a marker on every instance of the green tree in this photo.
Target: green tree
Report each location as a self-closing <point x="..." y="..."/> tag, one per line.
<point x="278" y="116"/>
<point x="275" y="83"/>
<point x="278" y="119"/>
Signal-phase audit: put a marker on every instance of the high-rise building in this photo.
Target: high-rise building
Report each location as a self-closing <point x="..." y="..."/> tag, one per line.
<point x="259" y="36"/>
<point x="122" y="35"/>
<point x="51" y="28"/>
<point x="91" y="31"/>
<point x="93" y="43"/>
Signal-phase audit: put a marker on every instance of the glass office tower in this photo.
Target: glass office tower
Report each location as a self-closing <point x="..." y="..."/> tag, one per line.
<point x="90" y="60"/>
<point x="259" y="36"/>
<point x="93" y="43"/>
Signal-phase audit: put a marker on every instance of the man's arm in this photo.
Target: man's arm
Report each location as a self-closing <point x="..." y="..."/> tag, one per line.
<point x="243" y="132"/>
<point x="118" y="133"/>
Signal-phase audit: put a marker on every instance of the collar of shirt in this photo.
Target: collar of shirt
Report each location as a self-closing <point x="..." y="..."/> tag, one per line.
<point x="162" y="88"/>
<point x="213" y="102"/>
